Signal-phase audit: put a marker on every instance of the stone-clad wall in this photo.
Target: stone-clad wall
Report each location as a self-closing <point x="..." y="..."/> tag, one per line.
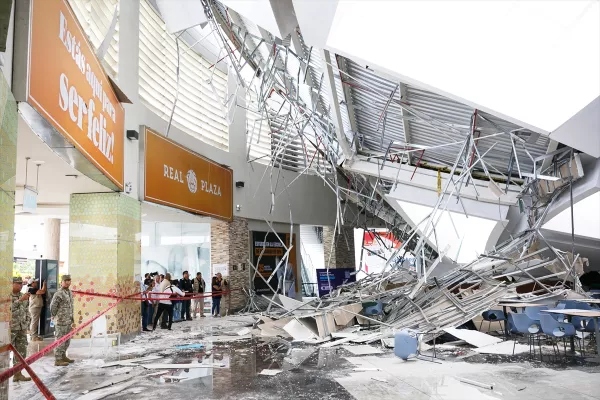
<point x="342" y="255"/>
<point x="230" y="245"/>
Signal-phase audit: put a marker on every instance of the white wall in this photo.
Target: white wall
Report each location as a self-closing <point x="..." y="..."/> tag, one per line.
<point x="311" y="201"/>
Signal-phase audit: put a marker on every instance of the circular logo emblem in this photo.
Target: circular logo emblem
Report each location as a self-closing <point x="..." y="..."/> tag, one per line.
<point x="191" y="181"/>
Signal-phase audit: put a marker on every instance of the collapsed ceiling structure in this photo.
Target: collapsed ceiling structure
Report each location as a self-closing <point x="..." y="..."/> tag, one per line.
<point x="366" y="135"/>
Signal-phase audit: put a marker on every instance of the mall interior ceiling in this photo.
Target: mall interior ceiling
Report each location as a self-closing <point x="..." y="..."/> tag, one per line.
<point x="442" y="188"/>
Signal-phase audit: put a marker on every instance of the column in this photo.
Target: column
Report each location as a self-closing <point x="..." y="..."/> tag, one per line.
<point x="341" y="254"/>
<point x="104" y="253"/>
<point x="8" y="166"/>
<point x="52" y="239"/>
<point x="229" y="244"/>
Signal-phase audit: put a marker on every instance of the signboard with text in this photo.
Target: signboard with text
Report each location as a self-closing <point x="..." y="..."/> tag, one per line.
<point x="328" y="281"/>
<point x="67" y="85"/>
<point x="178" y="177"/>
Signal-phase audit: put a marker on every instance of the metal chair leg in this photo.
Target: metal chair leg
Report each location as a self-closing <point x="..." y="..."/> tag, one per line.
<point x="481" y="324"/>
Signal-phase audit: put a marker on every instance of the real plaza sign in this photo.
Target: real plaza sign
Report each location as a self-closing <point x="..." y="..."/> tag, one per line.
<point x="177" y="177"/>
<point x="67" y="85"/>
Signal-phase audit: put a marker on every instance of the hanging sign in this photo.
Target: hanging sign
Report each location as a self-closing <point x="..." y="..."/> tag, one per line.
<point x="67" y="85"/>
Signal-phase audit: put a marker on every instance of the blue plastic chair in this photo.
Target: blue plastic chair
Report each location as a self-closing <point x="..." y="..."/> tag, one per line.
<point x="556" y="330"/>
<point x="491" y="316"/>
<point x="584" y="324"/>
<point x="533" y="312"/>
<point x="521" y="323"/>
<point x="570" y="305"/>
<point x="573" y="305"/>
<point x="406" y="345"/>
<point x="373" y="309"/>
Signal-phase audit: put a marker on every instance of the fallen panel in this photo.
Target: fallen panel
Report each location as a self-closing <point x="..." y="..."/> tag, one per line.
<point x="181" y="366"/>
<point x="362" y="350"/>
<point x="131" y="361"/>
<point x="102" y="393"/>
<point x="505" y="348"/>
<point x="270" y="372"/>
<point x="299" y="331"/>
<point x="244" y="331"/>
<point x="298" y="306"/>
<point x="475" y="338"/>
<point x="343" y="318"/>
<point x="338" y="342"/>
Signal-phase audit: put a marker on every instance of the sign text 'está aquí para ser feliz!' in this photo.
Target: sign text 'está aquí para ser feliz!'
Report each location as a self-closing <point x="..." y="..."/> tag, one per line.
<point x="71" y="100"/>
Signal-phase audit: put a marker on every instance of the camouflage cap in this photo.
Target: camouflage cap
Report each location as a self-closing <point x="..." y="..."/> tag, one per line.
<point x="17" y="279"/>
<point x="66" y="278"/>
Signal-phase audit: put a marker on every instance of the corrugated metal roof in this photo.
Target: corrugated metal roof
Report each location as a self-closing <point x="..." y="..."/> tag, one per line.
<point x="432" y="120"/>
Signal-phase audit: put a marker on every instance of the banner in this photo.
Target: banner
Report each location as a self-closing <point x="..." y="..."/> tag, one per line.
<point x="67" y="85"/>
<point x="336" y="277"/>
<point x="271" y="256"/>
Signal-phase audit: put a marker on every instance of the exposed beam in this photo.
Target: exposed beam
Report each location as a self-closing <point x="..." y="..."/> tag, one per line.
<point x="310" y="81"/>
<point x="348" y="98"/>
<point x="405" y="121"/>
<point x="335" y="113"/>
<point x="427" y="179"/>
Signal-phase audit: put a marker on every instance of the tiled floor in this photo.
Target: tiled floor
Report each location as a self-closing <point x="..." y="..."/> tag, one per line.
<point x="308" y="372"/>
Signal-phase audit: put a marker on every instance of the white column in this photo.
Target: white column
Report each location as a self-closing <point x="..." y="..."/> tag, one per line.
<point x="52" y="239"/>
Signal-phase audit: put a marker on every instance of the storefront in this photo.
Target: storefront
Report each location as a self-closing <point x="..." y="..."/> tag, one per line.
<point x="183" y="193"/>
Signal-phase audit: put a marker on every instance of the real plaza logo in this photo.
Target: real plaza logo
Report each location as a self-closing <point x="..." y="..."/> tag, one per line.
<point x="192" y="182"/>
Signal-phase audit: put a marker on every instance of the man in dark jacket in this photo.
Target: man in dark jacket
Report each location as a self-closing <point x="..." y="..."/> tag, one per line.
<point x="186" y="285"/>
<point x="199" y="287"/>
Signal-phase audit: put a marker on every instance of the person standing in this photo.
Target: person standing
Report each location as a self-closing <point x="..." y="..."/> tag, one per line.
<point x="146" y="304"/>
<point x="176" y="303"/>
<point x="165" y="305"/>
<point x="217" y="289"/>
<point x="199" y="286"/>
<point x="19" y="324"/>
<point x="186" y="287"/>
<point x="61" y="311"/>
<point x="36" y="303"/>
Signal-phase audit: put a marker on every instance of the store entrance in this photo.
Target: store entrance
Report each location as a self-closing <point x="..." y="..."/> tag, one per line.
<point x="174" y="242"/>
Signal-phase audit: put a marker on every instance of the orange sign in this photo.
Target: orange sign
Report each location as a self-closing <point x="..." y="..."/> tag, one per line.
<point x="67" y="85"/>
<point x="180" y="178"/>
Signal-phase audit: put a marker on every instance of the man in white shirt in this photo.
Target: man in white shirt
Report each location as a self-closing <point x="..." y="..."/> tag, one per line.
<point x="164" y="303"/>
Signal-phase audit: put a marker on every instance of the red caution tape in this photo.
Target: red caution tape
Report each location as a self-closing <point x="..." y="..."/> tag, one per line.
<point x="43" y="389"/>
<point x="154" y="296"/>
<point x="33" y="358"/>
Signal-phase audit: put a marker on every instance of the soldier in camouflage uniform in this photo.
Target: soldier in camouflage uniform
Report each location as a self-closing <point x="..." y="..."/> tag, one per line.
<point x="19" y="324"/>
<point x="61" y="311"/>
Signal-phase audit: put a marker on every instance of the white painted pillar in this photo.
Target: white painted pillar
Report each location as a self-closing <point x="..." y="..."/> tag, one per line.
<point x="51" y="249"/>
